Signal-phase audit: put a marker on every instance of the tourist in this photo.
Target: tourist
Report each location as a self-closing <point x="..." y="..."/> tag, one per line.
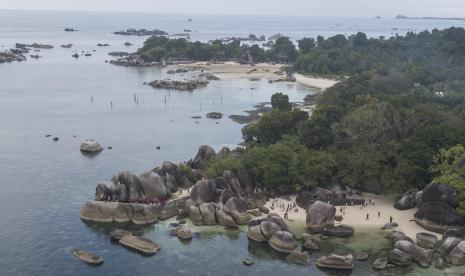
<point x="390" y="219"/>
<point x="368" y="217"/>
<point x="379" y="214"/>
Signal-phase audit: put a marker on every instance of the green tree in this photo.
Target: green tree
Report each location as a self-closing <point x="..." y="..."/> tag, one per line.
<point x="281" y="102"/>
<point x="449" y="166"/>
<point x="306" y="44"/>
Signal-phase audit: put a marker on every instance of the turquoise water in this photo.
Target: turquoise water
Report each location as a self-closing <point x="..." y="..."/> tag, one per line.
<point x="44" y="183"/>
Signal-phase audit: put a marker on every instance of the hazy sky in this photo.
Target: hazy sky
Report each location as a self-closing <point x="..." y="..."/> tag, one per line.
<point x="350" y="8"/>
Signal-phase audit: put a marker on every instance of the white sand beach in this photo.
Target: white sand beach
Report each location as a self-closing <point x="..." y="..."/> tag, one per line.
<point x="356" y="216"/>
<point x="267" y="71"/>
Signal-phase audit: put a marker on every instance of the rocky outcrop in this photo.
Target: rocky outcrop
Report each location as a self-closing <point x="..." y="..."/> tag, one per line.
<point x="399" y="257"/>
<point x="127" y="186"/>
<point x="437" y="216"/>
<point x="224" y="219"/>
<point x="335" y="196"/>
<point x="204" y="191"/>
<point x="333" y="261"/>
<point x="214" y="115"/>
<point x="319" y="215"/>
<point x="236" y="208"/>
<point x="99" y="211"/>
<point x="10" y="56"/>
<point x="87" y="257"/>
<point x="185" y="85"/>
<point x="443" y="193"/>
<point x="205" y="153"/>
<point x="457" y="254"/>
<point x="139" y="244"/>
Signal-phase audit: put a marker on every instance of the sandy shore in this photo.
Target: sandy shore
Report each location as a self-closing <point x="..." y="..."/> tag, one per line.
<point x="356" y="217"/>
<point x="267" y="71"/>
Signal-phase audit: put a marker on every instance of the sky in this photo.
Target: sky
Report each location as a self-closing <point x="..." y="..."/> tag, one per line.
<point x="346" y="8"/>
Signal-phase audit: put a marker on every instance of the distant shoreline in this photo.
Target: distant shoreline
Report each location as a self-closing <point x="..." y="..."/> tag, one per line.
<point x="431" y="18"/>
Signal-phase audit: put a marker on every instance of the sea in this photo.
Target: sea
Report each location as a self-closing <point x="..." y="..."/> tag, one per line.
<point x="44" y="183"/>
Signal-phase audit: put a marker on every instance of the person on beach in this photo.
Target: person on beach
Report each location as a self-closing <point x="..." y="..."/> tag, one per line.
<point x="379" y="214"/>
<point x="368" y="216"/>
<point x="390" y="219"/>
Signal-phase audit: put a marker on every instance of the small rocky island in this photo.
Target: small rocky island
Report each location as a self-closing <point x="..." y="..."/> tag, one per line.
<point x="181" y="85"/>
<point x="140" y="32"/>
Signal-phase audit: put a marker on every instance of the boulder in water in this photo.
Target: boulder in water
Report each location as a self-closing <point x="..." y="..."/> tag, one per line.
<point x="90" y="146"/>
<point x="299" y="257"/>
<point x="139" y="244"/>
<point x="380" y="263"/>
<point x="310" y="242"/>
<point x="399" y="257"/>
<point x="333" y="261"/>
<point x="255" y="234"/>
<point x="87" y="257"/>
<point x="268" y="228"/>
<point x="184" y="233"/>
<point x="283" y="241"/>
<point x="236" y="208"/>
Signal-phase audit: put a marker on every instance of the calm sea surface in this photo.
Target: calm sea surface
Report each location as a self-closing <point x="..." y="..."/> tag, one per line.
<point x="44" y="183"/>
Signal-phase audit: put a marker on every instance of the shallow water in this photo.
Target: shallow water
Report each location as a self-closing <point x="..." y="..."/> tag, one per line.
<point x="44" y="183"/>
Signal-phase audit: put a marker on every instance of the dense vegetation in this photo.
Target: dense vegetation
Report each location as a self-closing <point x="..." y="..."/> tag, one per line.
<point x="157" y="48"/>
<point x="380" y="129"/>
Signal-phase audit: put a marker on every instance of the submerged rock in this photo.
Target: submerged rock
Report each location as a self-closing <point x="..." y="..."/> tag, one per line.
<point x="142" y="245"/>
<point x="310" y="242"/>
<point x="117" y="234"/>
<point x="299" y="257"/>
<point x="361" y="256"/>
<point x="341" y="230"/>
<point x="380" y="263"/>
<point x="87" y="257"/>
<point x="187" y="85"/>
<point x="214" y="115"/>
<point x="184" y="233"/>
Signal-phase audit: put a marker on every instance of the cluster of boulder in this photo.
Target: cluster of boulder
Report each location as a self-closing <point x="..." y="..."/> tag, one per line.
<point x="118" y="54"/>
<point x="223" y="200"/>
<point x="181" y="85"/>
<point x="10" y="56"/>
<point x="140" y="32"/>
<point x="436" y="207"/>
<point x="33" y="45"/>
<point x="428" y="250"/>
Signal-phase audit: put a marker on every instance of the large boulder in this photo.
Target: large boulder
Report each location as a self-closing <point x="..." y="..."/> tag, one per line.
<point x="426" y="240"/>
<point x="268" y="228"/>
<point x="319" y="215"/>
<point x="204" y="191"/>
<point x="399" y="257"/>
<point x="255" y="234"/>
<point x="236" y="208"/>
<point x="195" y="215"/>
<point x="334" y="261"/>
<point x="273" y="217"/>
<point x="407" y="200"/>
<point x="444" y="247"/>
<point x="225" y="219"/>
<point x="207" y="210"/>
<point x="154" y="185"/>
<point x="458" y="232"/>
<point x="437" y="216"/>
<point x="99" y="211"/>
<point x="139" y="244"/>
<point x="406" y="246"/>
<point x="90" y="146"/>
<point x="424" y="256"/>
<point x="444" y="193"/>
<point x="131" y="188"/>
<point x="341" y="230"/>
<point x="283" y="241"/>
<point x="117" y="234"/>
<point x="234" y="183"/>
<point x="205" y="152"/>
<point x="299" y="257"/>
<point x="457" y="255"/>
